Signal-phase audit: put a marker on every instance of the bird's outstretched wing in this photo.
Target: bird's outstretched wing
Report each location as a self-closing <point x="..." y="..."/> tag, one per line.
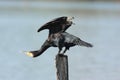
<point x="48" y="25"/>
<point x="61" y="24"/>
<point x="36" y="53"/>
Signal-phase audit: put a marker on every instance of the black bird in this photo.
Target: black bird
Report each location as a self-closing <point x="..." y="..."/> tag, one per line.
<point x="60" y="40"/>
<point x="60" y="24"/>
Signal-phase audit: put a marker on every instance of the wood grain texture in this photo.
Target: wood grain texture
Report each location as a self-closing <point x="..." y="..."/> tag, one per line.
<point x="62" y="67"/>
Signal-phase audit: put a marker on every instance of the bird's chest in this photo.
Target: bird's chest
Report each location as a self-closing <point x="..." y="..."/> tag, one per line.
<point x="55" y="39"/>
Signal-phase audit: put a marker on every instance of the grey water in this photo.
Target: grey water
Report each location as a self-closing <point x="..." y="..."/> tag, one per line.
<point x="95" y="22"/>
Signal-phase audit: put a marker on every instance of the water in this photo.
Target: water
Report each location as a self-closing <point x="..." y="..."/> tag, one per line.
<point x="96" y="22"/>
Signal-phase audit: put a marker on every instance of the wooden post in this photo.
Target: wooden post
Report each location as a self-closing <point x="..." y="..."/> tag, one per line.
<point x="62" y="67"/>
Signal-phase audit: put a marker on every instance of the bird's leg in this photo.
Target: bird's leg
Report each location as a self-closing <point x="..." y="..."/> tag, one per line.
<point x="59" y="50"/>
<point x="64" y="50"/>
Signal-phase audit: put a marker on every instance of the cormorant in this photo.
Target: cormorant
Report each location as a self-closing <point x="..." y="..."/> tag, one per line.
<point x="60" y="40"/>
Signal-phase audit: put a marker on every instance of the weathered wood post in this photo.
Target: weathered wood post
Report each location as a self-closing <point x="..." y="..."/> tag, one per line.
<point x="62" y="67"/>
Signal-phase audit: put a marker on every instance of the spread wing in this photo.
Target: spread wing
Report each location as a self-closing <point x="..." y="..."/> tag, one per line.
<point x="37" y="53"/>
<point x="60" y="24"/>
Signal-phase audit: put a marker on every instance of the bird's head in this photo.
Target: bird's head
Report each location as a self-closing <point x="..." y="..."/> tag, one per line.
<point x="69" y="20"/>
<point x="64" y="19"/>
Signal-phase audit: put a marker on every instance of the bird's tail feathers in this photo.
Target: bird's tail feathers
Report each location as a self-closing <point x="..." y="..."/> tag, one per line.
<point x="83" y="43"/>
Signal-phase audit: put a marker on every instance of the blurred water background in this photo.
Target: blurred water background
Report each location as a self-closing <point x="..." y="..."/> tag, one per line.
<point x="96" y="22"/>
